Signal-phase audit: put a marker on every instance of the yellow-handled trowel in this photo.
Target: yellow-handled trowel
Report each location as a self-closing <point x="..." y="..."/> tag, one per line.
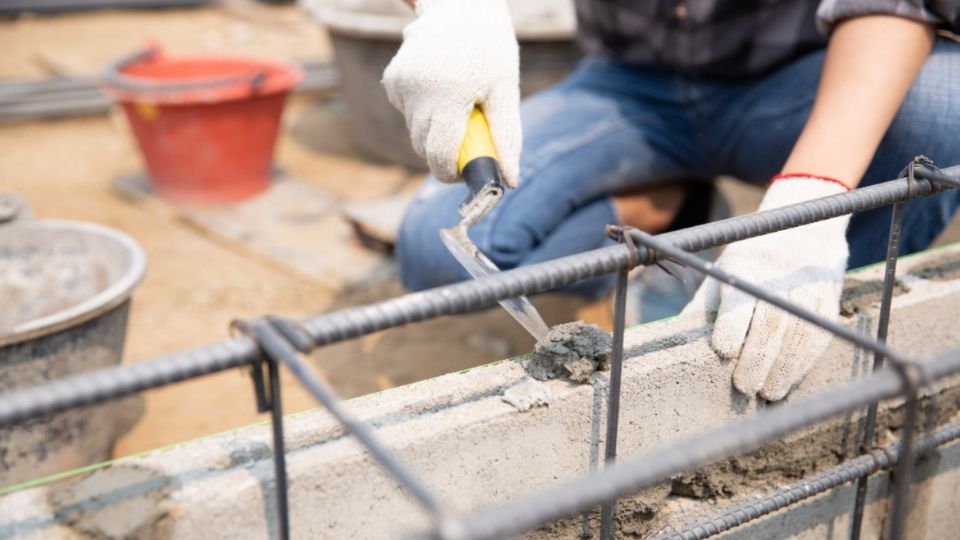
<point x="477" y="164"/>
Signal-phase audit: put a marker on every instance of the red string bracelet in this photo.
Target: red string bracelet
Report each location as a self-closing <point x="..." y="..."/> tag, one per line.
<point x="787" y="176"/>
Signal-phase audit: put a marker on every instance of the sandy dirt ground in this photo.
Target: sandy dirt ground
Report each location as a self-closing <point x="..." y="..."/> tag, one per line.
<point x="81" y="44"/>
<point x="196" y="284"/>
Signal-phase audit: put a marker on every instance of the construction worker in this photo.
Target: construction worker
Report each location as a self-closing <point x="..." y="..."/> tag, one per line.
<point x="810" y="98"/>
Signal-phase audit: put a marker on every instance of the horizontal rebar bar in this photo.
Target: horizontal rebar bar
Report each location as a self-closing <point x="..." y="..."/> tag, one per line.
<point x="472" y="295"/>
<point x="674" y="253"/>
<point x="453" y="299"/>
<point x="942" y="176"/>
<point x="718" y="233"/>
<point x="860" y="467"/>
<point x="625" y="477"/>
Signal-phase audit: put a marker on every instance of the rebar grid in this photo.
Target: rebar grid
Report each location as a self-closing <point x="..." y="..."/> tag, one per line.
<point x="856" y="469"/>
<point x="586" y="492"/>
<point x="464" y="297"/>
<point x="274" y="340"/>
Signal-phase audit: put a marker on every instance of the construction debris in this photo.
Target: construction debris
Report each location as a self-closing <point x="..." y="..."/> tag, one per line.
<point x="527" y="395"/>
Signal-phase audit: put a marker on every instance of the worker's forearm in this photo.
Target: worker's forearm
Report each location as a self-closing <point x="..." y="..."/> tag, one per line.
<point x="411" y="3"/>
<point x="870" y="65"/>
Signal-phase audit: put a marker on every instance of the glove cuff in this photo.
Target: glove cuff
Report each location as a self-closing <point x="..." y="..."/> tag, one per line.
<point x="805" y="176"/>
<point x="423" y="6"/>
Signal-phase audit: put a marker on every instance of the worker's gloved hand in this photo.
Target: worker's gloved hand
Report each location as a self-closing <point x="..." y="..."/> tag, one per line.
<point x="456" y="54"/>
<point x="805" y="265"/>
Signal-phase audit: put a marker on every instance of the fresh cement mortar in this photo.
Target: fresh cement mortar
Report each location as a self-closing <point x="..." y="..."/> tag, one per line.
<point x="473" y="449"/>
<point x="573" y="350"/>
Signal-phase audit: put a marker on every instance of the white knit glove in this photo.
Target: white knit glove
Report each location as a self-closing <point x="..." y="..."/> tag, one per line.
<point x="804" y="265"/>
<point x="458" y="53"/>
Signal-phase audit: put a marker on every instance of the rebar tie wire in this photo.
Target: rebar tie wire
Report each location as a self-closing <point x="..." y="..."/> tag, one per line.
<point x="278" y="340"/>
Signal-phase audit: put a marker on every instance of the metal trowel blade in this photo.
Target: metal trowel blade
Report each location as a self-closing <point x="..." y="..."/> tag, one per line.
<point x="478" y="265"/>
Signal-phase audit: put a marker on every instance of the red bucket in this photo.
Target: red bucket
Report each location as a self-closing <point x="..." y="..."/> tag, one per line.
<point x="207" y="125"/>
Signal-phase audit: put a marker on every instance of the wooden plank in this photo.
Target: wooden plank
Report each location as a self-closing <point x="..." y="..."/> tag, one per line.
<point x="377" y="222"/>
<point x="293" y="223"/>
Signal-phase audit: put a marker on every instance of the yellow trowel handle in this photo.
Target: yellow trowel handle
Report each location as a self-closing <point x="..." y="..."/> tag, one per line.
<point x="477" y="159"/>
<point x="478" y="142"/>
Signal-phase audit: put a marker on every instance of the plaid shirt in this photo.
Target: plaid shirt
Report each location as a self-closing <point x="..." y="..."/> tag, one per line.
<point x="731" y="39"/>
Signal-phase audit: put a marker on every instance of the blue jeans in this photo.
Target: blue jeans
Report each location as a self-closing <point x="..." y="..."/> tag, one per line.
<point x="611" y="128"/>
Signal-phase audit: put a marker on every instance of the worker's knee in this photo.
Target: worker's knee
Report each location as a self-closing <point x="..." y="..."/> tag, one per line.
<point x="421" y="256"/>
<point x="423" y="259"/>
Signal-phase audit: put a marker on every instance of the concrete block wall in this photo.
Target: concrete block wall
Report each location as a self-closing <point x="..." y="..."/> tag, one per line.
<point x="474" y="449"/>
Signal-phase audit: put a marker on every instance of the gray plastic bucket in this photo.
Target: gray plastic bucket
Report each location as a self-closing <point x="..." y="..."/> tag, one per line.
<point x="65" y="289"/>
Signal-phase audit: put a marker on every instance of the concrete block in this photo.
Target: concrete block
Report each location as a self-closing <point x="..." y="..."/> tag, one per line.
<point x="474" y="449"/>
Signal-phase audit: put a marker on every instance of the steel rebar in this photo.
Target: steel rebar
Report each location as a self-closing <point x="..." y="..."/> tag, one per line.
<point x="886" y="301"/>
<point x="672" y="252"/>
<point x="737" y="228"/>
<point x="279" y="349"/>
<point x="905" y="377"/>
<point x="901" y="364"/>
<point x="525" y="513"/>
<point x="279" y="452"/>
<point x="911" y="379"/>
<point x="448" y="300"/>
<point x="857" y="468"/>
<point x="613" y="400"/>
<point x="18" y="7"/>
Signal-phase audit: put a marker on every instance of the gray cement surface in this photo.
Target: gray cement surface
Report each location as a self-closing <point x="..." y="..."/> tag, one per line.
<point x="474" y="449"/>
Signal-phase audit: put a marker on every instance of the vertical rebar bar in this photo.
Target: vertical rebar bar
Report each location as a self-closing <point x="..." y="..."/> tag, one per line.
<point x="889" y="283"/>
<point x="279" y="452"/>
<point x="903" y="474"/>
<point x="911" y="376"/>
<point x="613" y="400"/>
<point x="276" y="339"/>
